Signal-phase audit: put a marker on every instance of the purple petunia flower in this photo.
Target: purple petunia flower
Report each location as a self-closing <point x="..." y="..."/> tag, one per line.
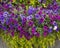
<point x="57" y="29"/>
<point x="52" y="17"/>
<point x="10" y="5"/>
<point x="30" y="23"/>
<point x="41" y="20"/>
<point x="27" y="35"/>
<point x="45" y="28"/>
<point x="7" y="22"/>
<point x="5" y="6"/>
<point x="20" y="28"/>
<point x="16" y="25"/>
<point x="1" y="26"/>
<point x="31" y="10"/>
<point x="45" y="33"/>
<point x="1" y="9"/>
<point x="2" y="21"/>
<point x="24" y="20"/>
<point x="50" y="29"/>
<point x="37" y="16"/>
<point x="11" y="26"/>
<point x="22" y="16"/>
<point x="29" y="17"/>
<point x="4" y="28"/>
<point x="5" y="14"/>
<point x="54" y="23"/>
<point x="40" y="12"/>
<point x="33" y="30"/>
<point x="21" y="33"/>
<point x="37" y="34"/>
<point x="12" y="33"/>
<point x="58" y="17"/>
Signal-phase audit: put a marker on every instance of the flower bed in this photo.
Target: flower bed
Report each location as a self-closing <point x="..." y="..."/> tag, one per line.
<point x="30" y="24"/>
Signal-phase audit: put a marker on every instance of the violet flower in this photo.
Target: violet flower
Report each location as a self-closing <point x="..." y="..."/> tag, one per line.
<point x="37" y="16"/>
<point x="5" y="14"/>
<point x="10" y="5"/>
<point x="27" y="35"/>
<point x="24" y="21"/>
<point x="4" y="28"/>
<point x="7" y="22"/>
<point x="1" y="9"/>
<point x="31" y="10"/>
<point x="54" y="23"/>
<point x="1" y="26"/>
<point x="30" y="17"/>
<point x="11" y="26"/>
<point x="50" y="29"/>
<point x="2" y="21"/>
<point x="57" y="29"/>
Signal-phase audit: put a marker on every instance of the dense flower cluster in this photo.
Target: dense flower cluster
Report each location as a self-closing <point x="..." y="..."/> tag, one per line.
<point x="28" y="20"/>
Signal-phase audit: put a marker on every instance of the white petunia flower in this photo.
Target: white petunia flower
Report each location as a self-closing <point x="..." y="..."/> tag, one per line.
<point x="55" y="28"/>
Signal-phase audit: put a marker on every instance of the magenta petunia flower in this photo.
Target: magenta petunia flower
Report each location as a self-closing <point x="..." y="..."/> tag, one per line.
<point x="45" y="33"/>
<point x="30" y="23"/>
<point x="58" y="17"/>
<point x="40" y="12"/>
<point x="12" y="33"/>
<point x="20" y="28"/>
<point x="37" y="34"/>
<point x="21" y="33"/>
<point x="45" y="28"/>
<point x="5" y="6"/>
<point x="41" y="20"/>
<point x="33" y="30"/>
